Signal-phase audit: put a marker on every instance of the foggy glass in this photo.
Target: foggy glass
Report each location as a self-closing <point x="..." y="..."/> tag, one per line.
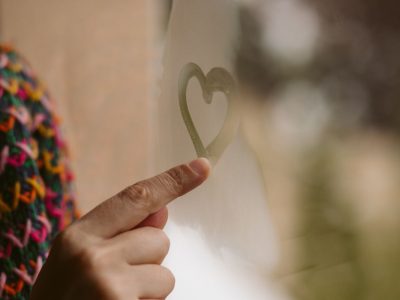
<point x="310" y="179"/>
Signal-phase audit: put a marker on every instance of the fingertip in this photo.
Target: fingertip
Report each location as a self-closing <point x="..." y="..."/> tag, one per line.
<point x="201" y="167"/>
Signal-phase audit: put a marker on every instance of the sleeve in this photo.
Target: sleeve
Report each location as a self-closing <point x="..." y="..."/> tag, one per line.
<point x="35" y="202"/>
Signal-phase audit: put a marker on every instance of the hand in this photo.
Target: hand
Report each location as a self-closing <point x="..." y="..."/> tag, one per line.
<point x="112" y="253"/>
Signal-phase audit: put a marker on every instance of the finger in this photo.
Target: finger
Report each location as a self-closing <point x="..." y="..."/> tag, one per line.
<point x="154" y="281"/>
<point x="146" y="245"/>
<point x="131" y="206"/>
<point x="157" y="220"/>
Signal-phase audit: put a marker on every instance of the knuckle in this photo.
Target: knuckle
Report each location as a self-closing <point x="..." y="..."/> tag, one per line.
<point x="174" y="180"/>
<point x="77" y="250"/>
<point x="138" y="194"/>
<point x="90" y="257"/>
<point x="69" y="239"/>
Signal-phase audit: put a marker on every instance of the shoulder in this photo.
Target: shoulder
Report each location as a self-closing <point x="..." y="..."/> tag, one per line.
<point x="30" y="127"/>
<point x="36" y="199"/>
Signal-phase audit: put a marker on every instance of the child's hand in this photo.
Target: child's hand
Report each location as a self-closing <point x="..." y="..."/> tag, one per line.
<point x="115" y="251"/>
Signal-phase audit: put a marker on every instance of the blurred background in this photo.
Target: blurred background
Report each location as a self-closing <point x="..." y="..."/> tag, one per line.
<point x="320" y="82"/>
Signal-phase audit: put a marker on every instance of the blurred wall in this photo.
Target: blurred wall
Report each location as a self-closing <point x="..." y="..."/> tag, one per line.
<point x="94" y="56"/>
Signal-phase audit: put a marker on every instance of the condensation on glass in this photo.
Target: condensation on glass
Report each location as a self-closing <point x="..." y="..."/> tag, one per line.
<point x="303" y="194"/>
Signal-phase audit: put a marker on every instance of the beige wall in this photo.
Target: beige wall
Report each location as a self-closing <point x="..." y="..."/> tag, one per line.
<point x="94" y="56"/>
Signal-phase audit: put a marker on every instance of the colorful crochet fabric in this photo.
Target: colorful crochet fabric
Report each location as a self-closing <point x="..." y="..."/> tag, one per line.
<point x="36" y="197"/>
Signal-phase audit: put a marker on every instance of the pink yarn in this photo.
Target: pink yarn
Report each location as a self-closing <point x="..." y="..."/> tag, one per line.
<point x="4" y="84"/>
<point x="18" y="160"/>
<point x="39" y="265"/>
<point x="28" y="229"/>
<point x="10" y="235"/>
<point x="3" y="159"/>
<point x="21" y="114"/>
<point x="58" y="137"/>
<point x="24" y="276"/>
<point x="45" y="223"/>
<point x="52" y="210"/>
<point x="22" y="94"/>
<point x="39" y="236"/>
<point x="3" y="280"/>
<point x="3" y="60"/>
<point x="25" y="147"/>
<point x="50" y="194"/>
<point x="37" y="120"/>
<point x="47" y="104"/>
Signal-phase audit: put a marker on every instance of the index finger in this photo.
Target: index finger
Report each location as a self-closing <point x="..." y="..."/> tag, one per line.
<point x="132" y="205"/>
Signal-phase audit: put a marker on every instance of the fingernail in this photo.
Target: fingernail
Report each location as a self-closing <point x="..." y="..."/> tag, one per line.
<point x="200" y="166"/>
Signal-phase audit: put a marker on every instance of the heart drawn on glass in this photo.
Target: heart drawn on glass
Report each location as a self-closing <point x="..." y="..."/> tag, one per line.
<point x="217" y="79"/>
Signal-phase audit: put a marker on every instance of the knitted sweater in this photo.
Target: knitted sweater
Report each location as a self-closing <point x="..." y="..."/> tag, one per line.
<point x="36" y="199"/>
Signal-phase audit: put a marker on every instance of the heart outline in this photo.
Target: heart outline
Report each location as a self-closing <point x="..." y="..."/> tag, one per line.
<point x="217" y="79"/>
